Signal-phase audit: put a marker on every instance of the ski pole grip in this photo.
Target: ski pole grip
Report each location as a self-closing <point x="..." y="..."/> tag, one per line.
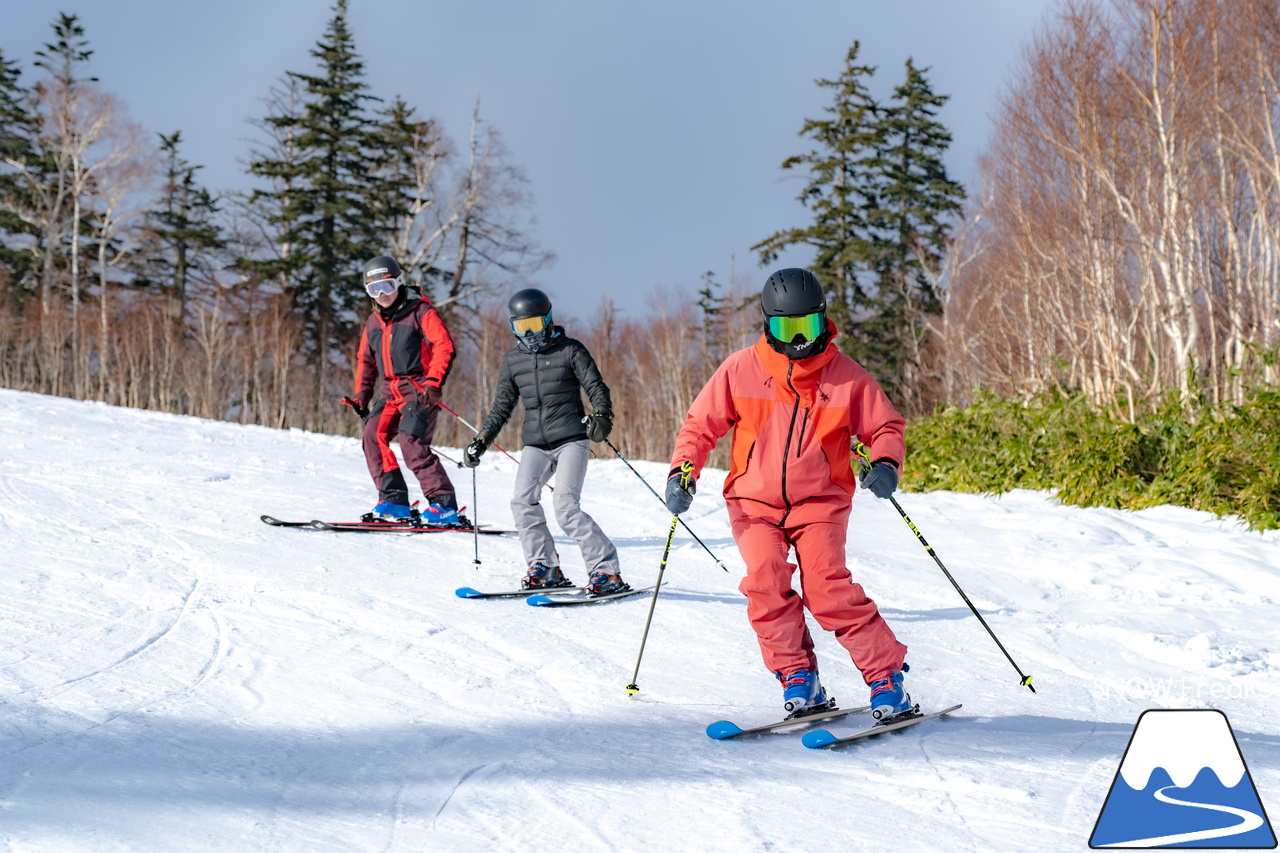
<point x="686" y="474"/>
<point x="863" y="455"/>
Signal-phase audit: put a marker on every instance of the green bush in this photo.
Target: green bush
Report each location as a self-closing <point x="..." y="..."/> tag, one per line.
<point x="1225" y="459"/>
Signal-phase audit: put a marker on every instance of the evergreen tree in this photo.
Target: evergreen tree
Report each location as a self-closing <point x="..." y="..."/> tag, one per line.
<point x="63" y="172"/>
<point x="327" y="200"/>
<point x="840" y="191"/>
<point x="881" y="199"/>
<point x="910" y="226"/>
<point x="184" y="230"/>
<point x="17" y="130"/>
<point x="405" y="148"/>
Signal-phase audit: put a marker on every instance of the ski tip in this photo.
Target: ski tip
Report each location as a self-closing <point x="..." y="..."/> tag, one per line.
<point x="818" y="738"/>
<point x="538" y="600"/>
<point x="468" y="592"/>
<point x="722" y="729"/>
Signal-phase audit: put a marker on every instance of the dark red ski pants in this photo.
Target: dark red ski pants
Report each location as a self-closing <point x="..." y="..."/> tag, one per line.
<point x="383" y="425"/>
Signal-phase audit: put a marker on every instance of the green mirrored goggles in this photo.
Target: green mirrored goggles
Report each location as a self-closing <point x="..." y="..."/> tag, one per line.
<point x="808" y="327"/>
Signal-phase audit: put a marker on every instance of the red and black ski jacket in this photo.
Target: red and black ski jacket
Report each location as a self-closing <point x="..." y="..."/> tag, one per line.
<point x="408" y="346"/>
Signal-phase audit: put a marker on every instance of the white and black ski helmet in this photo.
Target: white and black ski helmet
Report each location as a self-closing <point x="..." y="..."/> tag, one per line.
<point x="383" y="266"/>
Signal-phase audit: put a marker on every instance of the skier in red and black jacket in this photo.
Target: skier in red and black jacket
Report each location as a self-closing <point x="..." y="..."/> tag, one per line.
<point x="406" y="343"/>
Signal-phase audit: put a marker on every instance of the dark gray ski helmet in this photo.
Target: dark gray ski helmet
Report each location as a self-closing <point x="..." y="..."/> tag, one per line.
<point x="529" y="302"/>
<point x="795" y="312"/>
<point x="792" y="292"/>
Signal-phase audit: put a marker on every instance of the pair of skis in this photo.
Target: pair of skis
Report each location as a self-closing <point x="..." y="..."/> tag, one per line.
<point x="821" y="738"/>
<point x="562" y="596"/>
<point x="384" y="526"/>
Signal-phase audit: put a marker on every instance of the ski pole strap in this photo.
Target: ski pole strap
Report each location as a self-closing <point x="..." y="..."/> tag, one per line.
<point x="863" y="454"/>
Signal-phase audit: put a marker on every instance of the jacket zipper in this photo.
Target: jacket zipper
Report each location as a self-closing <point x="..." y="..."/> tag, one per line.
<point x="537" y="390"/>
<point x="786" y="450"/>
<point x="803" y="424"/>
<point x="389" y="376"/>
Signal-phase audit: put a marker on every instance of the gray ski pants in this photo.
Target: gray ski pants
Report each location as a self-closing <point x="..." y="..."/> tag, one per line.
<point x="568" y="463"/>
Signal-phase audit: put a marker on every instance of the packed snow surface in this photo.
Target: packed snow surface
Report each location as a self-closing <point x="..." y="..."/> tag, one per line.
<point x="176" y="675"/>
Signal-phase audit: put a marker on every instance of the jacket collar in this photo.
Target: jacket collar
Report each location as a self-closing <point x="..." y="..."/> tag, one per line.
<point x="804" y="373"/>
<point x="409" y="297"/>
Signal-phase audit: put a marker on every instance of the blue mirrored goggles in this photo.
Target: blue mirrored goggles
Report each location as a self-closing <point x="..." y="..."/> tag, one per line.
<point x="808" y="327"/>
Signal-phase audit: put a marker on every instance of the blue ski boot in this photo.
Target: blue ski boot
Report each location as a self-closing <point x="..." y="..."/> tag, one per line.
<point x="442" y="511"/>
<point x="542" y="576"/>
<point x="802" y="692"/>
<point x="603" y="583"/>
<point x="440" y="516"/>
<point x="388" y="511"/>
<point x="888" y="699"/>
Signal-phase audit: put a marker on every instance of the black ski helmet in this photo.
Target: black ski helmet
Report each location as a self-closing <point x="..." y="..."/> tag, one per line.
<point x="529" y="302"/>
<point x="379" y="268"/>
<point x="794" y="292"/>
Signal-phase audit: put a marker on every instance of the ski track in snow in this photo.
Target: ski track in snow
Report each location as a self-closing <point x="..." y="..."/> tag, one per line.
<point x="174" y="674"/>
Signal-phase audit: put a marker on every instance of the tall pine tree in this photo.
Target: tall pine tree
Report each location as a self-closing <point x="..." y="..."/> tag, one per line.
<point x="880" y="198"/>
<point x="330" y="208"/>
<point x="910" y="226"/>
<point x="840" y="192"/>
<point x="17" y="130"/>
<point x="183" y="230"/>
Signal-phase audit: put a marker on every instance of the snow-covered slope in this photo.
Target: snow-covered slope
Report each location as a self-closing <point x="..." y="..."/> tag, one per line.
<point x="175" y="675"/>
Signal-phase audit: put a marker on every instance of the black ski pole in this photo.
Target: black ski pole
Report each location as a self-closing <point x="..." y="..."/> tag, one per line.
<point x="475" y="519"/>
<point x="864" y="463"/>
<point x="686" y="471"/>
<point x="719" y="562"/>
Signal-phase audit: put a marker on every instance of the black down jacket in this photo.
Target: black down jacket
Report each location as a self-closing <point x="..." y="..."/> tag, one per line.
<point x="550" y="384"/>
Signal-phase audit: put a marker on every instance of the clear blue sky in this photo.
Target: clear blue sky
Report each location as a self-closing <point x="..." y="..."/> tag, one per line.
<point x="651" y="133"/>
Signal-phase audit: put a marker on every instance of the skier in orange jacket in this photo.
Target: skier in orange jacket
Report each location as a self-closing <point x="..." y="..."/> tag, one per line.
<point x="796" y="405"/>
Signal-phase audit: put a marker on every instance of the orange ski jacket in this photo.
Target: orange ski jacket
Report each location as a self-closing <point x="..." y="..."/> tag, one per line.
<point x="794" y="423"/>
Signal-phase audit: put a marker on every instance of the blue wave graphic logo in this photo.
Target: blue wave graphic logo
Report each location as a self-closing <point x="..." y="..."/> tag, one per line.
<point x="1183" y="783"/>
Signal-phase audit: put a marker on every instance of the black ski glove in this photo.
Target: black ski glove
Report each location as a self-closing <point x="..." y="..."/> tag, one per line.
<point x="477" y="447"/>
<point x="599" y="424"/>
<point x="678" y="497"/>
<point x="430" y="396"/>
<point x="356" y="406"/>
<point x="881" y="479"/>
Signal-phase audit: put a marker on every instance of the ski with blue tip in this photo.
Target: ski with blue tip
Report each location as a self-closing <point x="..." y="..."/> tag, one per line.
<point x="823" y="739"/>
<point x="724" y="730"/>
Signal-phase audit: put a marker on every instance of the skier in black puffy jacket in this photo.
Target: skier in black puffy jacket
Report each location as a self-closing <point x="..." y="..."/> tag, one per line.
<point x="548" y="370"/>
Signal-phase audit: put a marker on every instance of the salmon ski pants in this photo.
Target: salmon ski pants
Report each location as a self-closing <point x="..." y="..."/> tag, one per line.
<point x="828" y="592"/>
<point x="382" y="425"/>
